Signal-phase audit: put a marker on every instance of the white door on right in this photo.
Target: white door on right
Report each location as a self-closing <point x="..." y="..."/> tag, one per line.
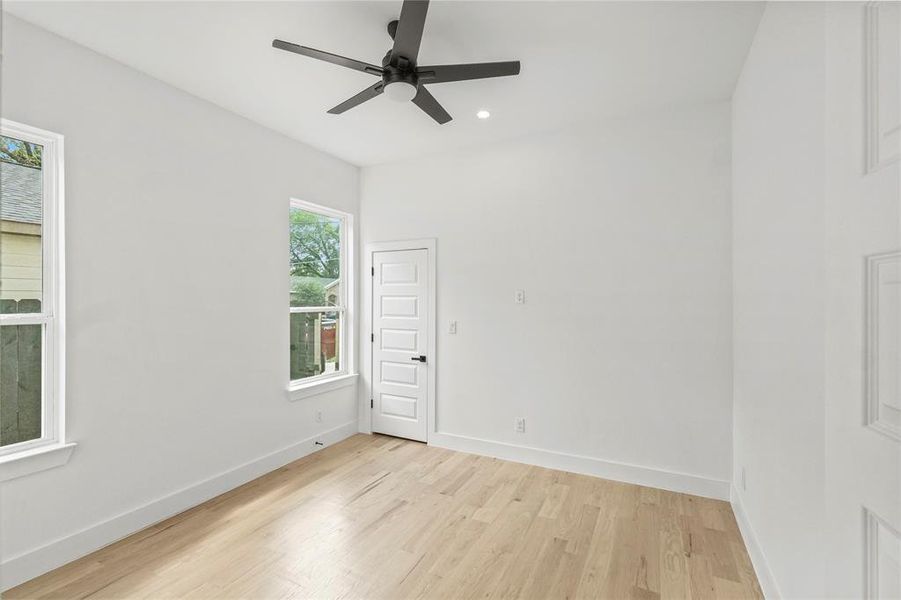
<point x="863" y="455"/>
<point x="400" y="367"/>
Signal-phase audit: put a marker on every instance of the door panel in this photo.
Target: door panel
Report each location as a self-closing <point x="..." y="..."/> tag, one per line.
<point x="399" y="373"/>
<point x="400" y="306"/>
<point x="400" y="336"/>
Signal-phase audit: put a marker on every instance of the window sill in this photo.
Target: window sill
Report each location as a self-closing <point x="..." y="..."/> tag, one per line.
<point x="34" y="460"/>
<point x="314" y="388"/>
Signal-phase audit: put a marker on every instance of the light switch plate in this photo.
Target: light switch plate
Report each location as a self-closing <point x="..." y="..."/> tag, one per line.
<point x="452" y="328"/>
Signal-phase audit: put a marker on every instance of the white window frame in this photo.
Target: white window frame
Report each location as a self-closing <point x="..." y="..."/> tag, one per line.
<point x="52" y="316"/>
<point x="317" y="384"/>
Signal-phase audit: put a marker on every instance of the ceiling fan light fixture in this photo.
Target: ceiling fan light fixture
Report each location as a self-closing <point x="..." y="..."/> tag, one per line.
<point x="400" y="91"/>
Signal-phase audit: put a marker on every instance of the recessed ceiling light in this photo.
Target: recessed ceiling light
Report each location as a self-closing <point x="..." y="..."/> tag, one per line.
<point x="483" y="114"/>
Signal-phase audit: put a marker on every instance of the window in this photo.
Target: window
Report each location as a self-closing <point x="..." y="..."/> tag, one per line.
<point x="31" y="306"/>
<point x="319" y="323"/>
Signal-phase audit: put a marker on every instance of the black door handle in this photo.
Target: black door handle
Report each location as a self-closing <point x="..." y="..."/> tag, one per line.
<point x="420" y="358"/>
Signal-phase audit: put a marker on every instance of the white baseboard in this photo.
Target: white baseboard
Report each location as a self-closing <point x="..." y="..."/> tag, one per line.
<point x="21" y="568"/>
<point x="758" y="559"/>
<point x="586" y="465"/>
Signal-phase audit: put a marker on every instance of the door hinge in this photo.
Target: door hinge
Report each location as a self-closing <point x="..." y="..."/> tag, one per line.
<point x="373" y="271"/>
<point x="372" y="337"/>
<point x="371" y="403"/>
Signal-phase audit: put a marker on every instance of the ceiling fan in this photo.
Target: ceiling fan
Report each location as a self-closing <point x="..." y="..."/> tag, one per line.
<point x="401" y="78"/>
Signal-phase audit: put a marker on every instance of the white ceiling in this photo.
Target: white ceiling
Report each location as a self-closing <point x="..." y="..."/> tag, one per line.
<point x="581" y="61"/>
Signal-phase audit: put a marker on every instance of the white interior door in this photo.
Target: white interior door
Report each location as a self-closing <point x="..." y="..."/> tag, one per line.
<point x="400" y="367"/>
<point x="863" y="457"/>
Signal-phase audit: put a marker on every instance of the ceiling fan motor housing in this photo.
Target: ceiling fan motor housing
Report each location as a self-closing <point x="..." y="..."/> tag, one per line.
<point x="399" y="78"/>
<point x="394" y="74"/>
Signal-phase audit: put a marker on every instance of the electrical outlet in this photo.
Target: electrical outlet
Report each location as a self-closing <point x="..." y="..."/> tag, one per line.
<point x="520" y="297"/>
<point x="744" y="480"/>
<point x="519" y="425"/>
<point x="452" y="328"/>
<point x="319" y="416"/>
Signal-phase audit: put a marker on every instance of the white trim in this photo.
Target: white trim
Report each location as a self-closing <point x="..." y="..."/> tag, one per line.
<point x="328" y="383"/>
<point x="365" y="410"/>
<point x="53" y="292"/>
<point x="18" y="569"/>
<point x="347" y="343"/>
<point x="325" y="211"/>
<point x="34" y="459"/>
<point x="761" y="567"/>
<point x="586" y="465"/>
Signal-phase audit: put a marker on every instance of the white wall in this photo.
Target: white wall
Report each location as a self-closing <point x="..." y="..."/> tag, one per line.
<point x="620" y="237"/>
<point x="806" y="213"/>
<point x="177" y="295"/>
<point x="778" y="271"/>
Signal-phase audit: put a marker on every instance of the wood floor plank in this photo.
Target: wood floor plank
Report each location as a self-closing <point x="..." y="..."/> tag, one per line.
<point x="377" y="517"/>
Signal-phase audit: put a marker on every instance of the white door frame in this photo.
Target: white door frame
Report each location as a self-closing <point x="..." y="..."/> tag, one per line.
<point x="365" y="406"/>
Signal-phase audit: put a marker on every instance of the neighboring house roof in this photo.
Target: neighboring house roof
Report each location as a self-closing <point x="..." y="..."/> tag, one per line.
<point x="20" y="193"/>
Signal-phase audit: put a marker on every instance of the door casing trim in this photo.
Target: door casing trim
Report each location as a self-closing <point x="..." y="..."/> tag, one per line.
<point x="366" y="372"/>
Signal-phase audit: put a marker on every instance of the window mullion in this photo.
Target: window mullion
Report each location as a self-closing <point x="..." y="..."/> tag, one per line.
<point x="24" y="319"/>
<point x="316" y="309"/>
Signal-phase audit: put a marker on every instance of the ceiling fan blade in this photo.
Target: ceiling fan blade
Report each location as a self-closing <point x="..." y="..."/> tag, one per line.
<point x="409" y="30"/>
<point x="447" y="73"/>
<point x="430" y="106"/>
<point x="367" y="94"/>
<point x="342" y="61"/>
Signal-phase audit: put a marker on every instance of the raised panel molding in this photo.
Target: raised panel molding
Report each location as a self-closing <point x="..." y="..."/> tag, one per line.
<point x="399" y="273"/>
<point x="882" y="38"/>
<point x="883" y="559"/>
<point x="882" y="348"/>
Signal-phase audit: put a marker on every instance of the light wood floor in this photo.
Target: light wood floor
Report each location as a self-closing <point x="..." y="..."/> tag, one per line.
<point x="378" y="517"/>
